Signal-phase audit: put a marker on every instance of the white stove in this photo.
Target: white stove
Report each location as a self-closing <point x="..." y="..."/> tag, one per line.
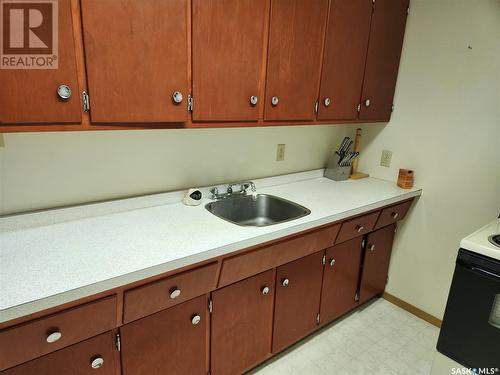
<point x="482" y="240"/>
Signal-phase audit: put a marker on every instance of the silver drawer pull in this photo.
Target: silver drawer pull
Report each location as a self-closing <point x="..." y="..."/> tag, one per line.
<point x="97" y="362"/>
<point x="360" y="228"/>
<point x="253" y="100"/>
<point x="285" y="282"/>
<point x="195" y="320"/>
<point x="265" y="290"/>
<point x="275" y="101"/>
<point x="332" y="262"/>
<point x="54" y="336"/>
<point x="64" y="92"/>
<point x="395" y="215"/>
<point x="177" y="97"/>
<point x="174" y="293"/>
<point x="371" y="247"/>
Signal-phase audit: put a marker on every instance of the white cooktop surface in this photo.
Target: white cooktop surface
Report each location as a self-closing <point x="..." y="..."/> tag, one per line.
<point x="478" y="241"/>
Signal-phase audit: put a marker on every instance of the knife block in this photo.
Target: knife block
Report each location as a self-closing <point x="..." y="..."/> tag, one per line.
<point x="335" y="172"/>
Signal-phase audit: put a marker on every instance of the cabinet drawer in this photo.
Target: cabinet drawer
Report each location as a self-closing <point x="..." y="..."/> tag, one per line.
<point x="392" y="214"/>
<point x="148" y="299"/>
<point x="34" y="339"/>
<point x="242" y="266"/>
<point x="80" y="359"/>
<point x="357" y="227"/>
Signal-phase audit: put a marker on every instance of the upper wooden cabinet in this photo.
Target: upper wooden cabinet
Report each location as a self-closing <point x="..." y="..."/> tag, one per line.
<point x="344" y="59"/>
<point x="29" y="96"/>
<point x="382" y="64"/>
<point x="136" y="58"/>
<point x="296" y="37"/>
<point x="228" y="55"/>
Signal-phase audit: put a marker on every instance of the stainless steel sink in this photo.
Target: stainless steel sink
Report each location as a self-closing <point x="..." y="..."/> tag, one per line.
<point x="258" y="211"/>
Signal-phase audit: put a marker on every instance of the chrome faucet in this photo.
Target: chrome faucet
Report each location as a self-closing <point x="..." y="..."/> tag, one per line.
<point x="244" y="186"/>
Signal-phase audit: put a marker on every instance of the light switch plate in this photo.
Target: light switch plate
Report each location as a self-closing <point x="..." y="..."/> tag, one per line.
<point x="385" y="159"/>
<point x="280" y="152"/>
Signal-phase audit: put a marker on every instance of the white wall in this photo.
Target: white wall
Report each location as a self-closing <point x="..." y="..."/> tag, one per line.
<point x="40" y="170"/>
<point x="446" y="126"/>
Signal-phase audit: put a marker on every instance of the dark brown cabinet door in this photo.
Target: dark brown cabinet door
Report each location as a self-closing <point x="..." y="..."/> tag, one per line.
<point x="344" y="59"/>
<point x="376" y="262"/>
<point x="228" y="50"/>
<point x="242" y="322"/>
<point x="294" y="59"/>
<point x="382" y="64"/>
<point x="173" y="341"/>
<point x="298" y="291"/>
<point x="97" y="356"/>
<point x="340" y="282"/>
<point x="136" y="57"/>
<point x="29" y="96"/>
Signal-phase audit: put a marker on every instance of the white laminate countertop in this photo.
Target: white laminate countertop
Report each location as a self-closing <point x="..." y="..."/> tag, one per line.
<point x="57" y="256"/>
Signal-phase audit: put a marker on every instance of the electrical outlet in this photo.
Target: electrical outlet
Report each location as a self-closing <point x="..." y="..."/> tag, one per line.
<point x="280" y="152"/>
<point x="385" y="159"/>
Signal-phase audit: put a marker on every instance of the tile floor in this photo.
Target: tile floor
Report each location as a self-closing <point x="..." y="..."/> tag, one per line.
<point x="378" y="339"/>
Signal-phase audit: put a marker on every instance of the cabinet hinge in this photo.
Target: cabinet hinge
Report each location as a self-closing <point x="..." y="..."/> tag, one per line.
<point x="190" y="103"/>
<point x="363" y="243"/>
<point x="408" y="11"/>
<point x="85" y="102"/>
<point x="396" y="229"/>
<point x="387" y="279"/>
<point x="356" y="297"/>
<point x="210" y="305"/>
<point x="323" y="260"/>
<point x="316" y="106"/>
<point x="392" y="108"/>
<point x="317" y="318"/>
<point x="118" y="342"/>
<point x="359" y="108"/>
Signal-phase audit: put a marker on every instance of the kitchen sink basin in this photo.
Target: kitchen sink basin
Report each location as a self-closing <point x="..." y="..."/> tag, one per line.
<point x="258" y="211"/>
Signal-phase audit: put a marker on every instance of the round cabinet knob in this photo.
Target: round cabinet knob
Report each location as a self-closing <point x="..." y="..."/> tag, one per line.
<point x="371" y="247"/>
<point x="367" y="102"/>
<point x="54" y="336"/>
<point x="177" y="97"/>
<point x="174" y="293"/>
<point x="64" y="92"/>
<point x="275" y="101"/>
<point x="253" y="100"/>
<point x="97" y="362"/>
<point x="360" y="228"/>
<point x="327" y="102"/>
<point x="332" y="262"/>
<point x="196" y="320"/>
<point x="285" y="282"/>
<point x="265" y="290"/>
<point x="394" y="215"/>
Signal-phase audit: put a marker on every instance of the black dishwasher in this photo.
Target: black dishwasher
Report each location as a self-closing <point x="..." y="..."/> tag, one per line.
<point x="470" y="333"/>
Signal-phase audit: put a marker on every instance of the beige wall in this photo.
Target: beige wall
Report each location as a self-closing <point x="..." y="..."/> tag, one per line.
<point x="446" y="126"/>
<point x="43" y="170"/>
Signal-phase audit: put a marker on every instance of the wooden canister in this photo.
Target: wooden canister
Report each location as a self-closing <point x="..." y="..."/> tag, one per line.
<point x="405" y="178"/>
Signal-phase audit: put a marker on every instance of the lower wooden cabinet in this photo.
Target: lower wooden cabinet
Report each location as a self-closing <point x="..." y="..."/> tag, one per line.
<point x="376" y="262"/>
<point x="96" y="356"/>
<point x="298" y="292"/>
<point x="173" y="341"/>
<point x="341" y="278"/>
<point x="242" y="320"/>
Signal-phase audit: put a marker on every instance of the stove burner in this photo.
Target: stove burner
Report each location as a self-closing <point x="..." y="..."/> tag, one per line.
<point x="495" y="239"/>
